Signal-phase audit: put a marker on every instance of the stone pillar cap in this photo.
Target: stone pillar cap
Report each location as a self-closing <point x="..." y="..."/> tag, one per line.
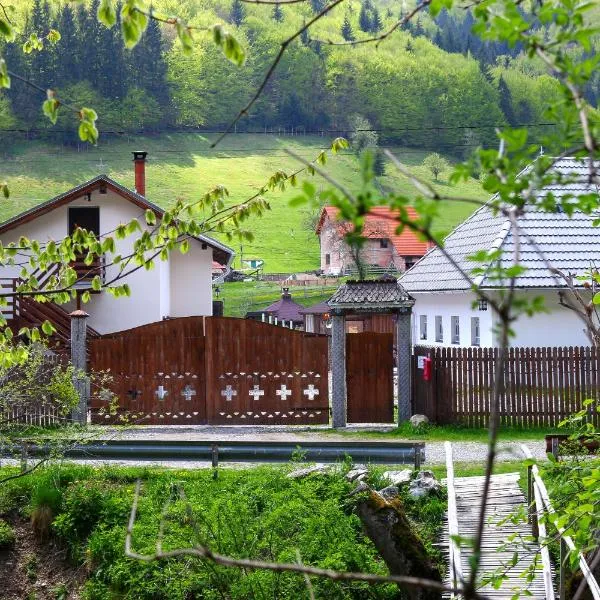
<point x="78" y="314"/>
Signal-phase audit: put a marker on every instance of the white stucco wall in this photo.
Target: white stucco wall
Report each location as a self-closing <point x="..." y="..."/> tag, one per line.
<point x="191" y="277"/>
<point x="557" y="327"/>
<point x="448" y="305"/>
<point x="181" y="289"/>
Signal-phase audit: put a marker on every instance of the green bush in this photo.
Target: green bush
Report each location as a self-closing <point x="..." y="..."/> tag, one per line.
<point x="7" y="535"/>
<point x="255" y="513"/>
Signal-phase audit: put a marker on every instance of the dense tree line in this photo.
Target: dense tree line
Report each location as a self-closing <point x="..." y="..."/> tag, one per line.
<point x="90" y="65"/>
<point x="434" y="86"/>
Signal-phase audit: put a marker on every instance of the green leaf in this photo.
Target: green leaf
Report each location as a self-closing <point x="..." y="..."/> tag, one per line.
<point x="150" y="217"/>
<point x="7" y="31"/>
<point x="184" y="247"/>
<point x="4" y="77"/>
<point x="53" y="36"/>
<point x="48" y="328"/>
<point x="231" y="48"/>
<point x="107" y="14"/>
<point x="596" y="298"/>
<point x="50" y="107"/>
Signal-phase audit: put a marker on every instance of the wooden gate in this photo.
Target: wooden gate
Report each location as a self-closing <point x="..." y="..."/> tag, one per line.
<point x="217" y="370"/>
<point x="157" y="373"/>
<point x="369" y="376"/>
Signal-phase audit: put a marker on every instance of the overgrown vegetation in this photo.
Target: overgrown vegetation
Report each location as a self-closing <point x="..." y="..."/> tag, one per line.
<point x="257" y="513"/>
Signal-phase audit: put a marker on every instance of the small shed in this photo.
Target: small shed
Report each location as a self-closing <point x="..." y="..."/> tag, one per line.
<point x="284" y="311"/>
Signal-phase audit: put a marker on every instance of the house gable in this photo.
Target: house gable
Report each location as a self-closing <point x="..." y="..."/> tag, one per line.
<point x="221" y="253"/>
<point x="569" y="243"/>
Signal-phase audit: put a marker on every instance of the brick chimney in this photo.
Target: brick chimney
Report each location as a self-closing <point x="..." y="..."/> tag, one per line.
<point x="139" y="166"/>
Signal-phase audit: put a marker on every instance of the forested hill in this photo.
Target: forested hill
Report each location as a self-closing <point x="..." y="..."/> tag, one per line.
<point x="434" y="85"/>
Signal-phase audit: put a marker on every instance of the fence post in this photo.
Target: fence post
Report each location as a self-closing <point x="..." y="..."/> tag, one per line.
<point x="79" y="361"/>
<point x="338" y="370"/>
<point x="564" y="551"/>
<point x="404" y="358"/>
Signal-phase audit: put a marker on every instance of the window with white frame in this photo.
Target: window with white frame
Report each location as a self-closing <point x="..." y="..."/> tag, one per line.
<point x="475" y="332"/>
<point x="423" y="327"/>
<point x="439" y="329"/>
<point x="455" y="328"/>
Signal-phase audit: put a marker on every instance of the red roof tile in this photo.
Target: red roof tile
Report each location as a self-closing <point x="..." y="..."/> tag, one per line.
<point x="381" y="223"/>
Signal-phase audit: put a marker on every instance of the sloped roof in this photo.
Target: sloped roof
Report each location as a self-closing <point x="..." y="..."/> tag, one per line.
<point x="316" y="309"/>
<point x="285" y="309"/>
<point x="221" y="253"/>
<point x="570" y="244"/>
<point x="381" y="223"/>
<point x="370" y="294"/>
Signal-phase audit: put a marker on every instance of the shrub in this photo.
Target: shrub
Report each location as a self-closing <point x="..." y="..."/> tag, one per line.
<point x="7" y="535"/>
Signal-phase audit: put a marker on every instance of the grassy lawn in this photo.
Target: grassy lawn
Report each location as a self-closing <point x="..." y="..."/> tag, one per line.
<point x="183" y="166"/>
<point x="241" y="297"/>
<point x="451" y="433"/>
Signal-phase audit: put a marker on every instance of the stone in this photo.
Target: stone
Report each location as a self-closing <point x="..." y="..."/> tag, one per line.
<point x="316" y="469"/>
<point x="356" y="474"/>
<point x="419" y="420"/>
<point x="398" y="477"/>
<point x="361" y="487"/>
<point x="424" y="484"/>
<point x="389" y="492"/>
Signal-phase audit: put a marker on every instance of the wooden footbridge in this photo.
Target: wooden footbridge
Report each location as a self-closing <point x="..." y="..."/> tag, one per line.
<point x="514" y="540"/>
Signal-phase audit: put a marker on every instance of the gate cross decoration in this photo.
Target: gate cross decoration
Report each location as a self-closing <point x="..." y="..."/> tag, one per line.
<point x="161" y="393"/>
<point x="228" y="393"/>
<point x="283" y="392"/>
<point x="256" y="392"/>
<point x="311" y="392"/>
<point x="188" y="392"/>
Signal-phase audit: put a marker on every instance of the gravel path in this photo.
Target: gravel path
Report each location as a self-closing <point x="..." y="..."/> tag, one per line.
<point x="464" y="452"/>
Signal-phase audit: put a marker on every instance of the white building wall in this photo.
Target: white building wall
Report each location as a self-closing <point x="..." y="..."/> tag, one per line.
<point x="151" y="296"/>
<point x="191" y="277"/>
<point x="557" y="327"/>
<point x="448" y="305"/>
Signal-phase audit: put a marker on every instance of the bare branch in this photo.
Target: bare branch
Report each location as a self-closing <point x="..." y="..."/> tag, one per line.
<point x="271" y="70"/>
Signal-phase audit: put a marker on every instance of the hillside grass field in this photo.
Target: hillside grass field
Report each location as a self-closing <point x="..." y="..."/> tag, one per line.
<point x="184" y="166"/>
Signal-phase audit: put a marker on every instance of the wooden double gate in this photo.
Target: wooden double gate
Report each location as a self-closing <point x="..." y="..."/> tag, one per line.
<point x="216" y="370"/>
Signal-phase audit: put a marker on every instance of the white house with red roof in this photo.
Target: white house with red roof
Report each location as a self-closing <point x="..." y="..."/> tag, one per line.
<point x="178" y="287"/>
<point x="384" y="248"/>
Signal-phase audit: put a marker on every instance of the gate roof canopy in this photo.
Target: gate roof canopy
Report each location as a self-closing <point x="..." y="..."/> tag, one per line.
<point x="374" y="296"/>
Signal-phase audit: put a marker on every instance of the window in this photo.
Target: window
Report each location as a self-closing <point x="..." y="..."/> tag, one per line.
<point x="423" y="327"/>
<point x="475" y="332"/>
<point x="455" y="326"/>
<point x="383" y="243"/>
<point x="439" y="330"/>
<point x="328" y="259"/>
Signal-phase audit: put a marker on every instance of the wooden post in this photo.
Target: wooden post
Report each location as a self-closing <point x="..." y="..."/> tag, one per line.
<point x="79" y="361"/>
<point x="404" y="365"/>
<point x="338" y="370"/>
<point x="564" y="551"/>
<point x="215" y="460"/>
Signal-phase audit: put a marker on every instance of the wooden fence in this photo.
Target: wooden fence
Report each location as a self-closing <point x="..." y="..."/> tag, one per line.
<point x="541" y="386"/>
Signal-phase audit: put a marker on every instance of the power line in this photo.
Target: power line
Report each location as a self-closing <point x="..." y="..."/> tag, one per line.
<point x="293" y="131"/>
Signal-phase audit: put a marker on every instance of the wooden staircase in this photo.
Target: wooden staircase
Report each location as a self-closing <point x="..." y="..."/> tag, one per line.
<point x="24" y="311"/>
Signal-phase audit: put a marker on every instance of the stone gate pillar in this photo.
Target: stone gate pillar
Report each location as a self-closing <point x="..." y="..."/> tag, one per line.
<point x="79" y="361"/>
<point x="338" y="369"/>
<point x="404" y="363"/>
